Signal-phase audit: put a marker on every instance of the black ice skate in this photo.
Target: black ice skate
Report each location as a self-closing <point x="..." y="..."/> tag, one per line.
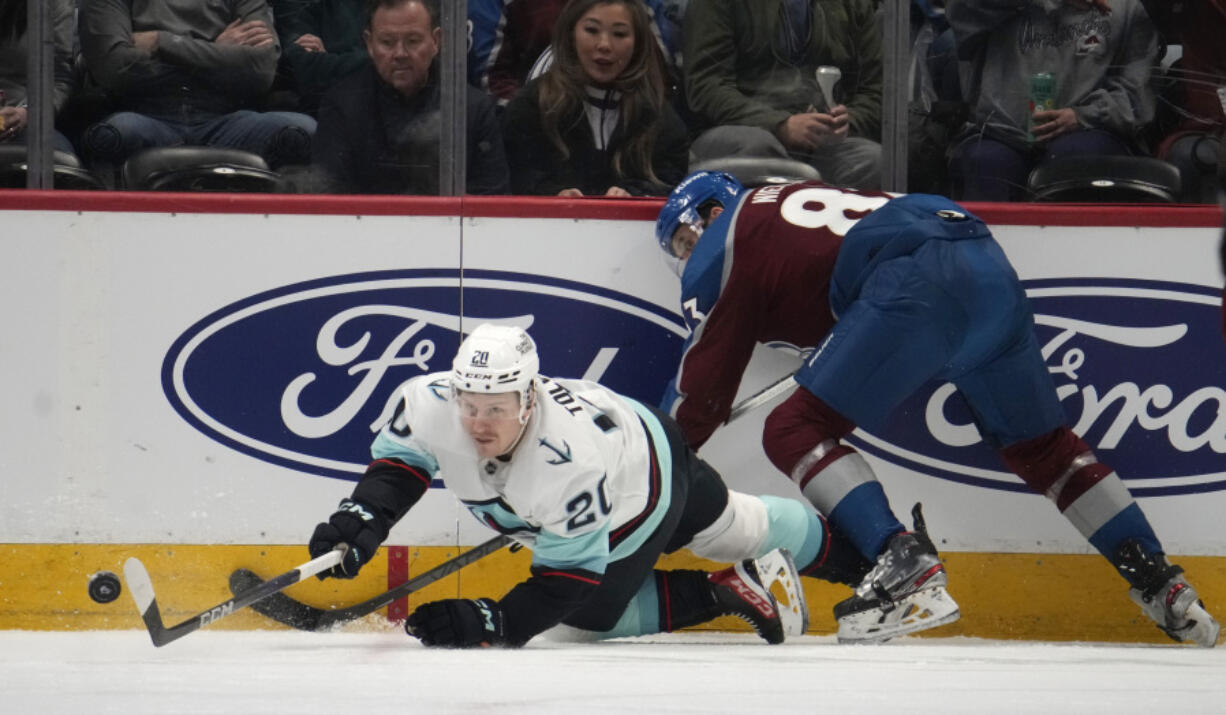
<point x="739" y="592"/>
<point x="1163" y="593"/>
<point x="904" y="593"/>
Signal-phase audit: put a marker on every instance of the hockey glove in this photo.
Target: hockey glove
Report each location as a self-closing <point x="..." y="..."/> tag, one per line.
<point x="457" y="623"/>
<point x="355" y="524"/>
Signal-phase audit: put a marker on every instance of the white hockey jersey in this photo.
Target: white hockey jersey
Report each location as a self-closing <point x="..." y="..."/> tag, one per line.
<point x="588" y="483"/>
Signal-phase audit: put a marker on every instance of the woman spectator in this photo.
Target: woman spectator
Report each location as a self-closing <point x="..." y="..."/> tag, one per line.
<point x="598" y="121"/>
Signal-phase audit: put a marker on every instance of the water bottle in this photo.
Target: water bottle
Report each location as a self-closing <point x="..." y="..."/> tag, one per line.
<point x="1042" y="97"/>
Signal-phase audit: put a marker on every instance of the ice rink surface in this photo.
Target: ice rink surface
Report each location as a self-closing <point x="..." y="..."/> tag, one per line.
<point x="282" y="672"/>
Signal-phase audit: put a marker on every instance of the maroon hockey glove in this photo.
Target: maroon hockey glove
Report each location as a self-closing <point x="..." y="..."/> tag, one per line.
<point x="457" y="623"/>
<point x="355" y="524"/>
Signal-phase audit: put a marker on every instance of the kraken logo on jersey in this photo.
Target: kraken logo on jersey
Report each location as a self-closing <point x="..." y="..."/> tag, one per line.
<point x="563" y="457"/>
<point x="950" y="215"/>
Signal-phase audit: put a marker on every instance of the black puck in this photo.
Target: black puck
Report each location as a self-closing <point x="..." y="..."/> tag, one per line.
<point x="104" y="587"/>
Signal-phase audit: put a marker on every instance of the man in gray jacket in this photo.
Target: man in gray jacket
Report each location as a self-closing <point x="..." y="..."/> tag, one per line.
<point x="185" y="72"/>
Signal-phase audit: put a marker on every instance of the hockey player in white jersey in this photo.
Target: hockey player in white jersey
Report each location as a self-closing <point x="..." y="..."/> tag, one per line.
<point x="598" y="486"/>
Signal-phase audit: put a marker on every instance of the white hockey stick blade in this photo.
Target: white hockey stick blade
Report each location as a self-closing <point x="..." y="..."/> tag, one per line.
<point x="917" y="612"/>
<point x="141" y="588"/>
<point x="778" y="574"/>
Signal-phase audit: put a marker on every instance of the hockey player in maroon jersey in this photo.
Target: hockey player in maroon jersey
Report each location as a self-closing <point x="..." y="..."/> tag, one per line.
<point x="888" y="293"/>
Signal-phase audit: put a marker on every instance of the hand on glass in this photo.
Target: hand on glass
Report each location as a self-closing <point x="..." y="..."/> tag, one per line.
<point x="1051" y="123"/>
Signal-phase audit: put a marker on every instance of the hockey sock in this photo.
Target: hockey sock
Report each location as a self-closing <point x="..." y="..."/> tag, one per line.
<point x="685" y="599"/>
<point x="839" y="561"/>
<point x="1062" y="467"/>
<point x="794" y="527"/>
<point x="865" y="518"/>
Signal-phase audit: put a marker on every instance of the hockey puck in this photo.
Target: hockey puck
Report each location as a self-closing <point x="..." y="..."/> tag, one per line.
<point x="104" y="587"/>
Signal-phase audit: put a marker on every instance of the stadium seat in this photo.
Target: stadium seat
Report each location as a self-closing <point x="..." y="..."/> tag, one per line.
<point x="1105" y="179"/>
<point x="754" y="171"/>
<point x="197" y="168"/>
<point x="66" y="170"/>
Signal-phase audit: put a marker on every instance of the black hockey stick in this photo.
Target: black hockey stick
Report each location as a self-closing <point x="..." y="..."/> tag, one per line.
<point x="142" y="592"/>
<point x="296" y="614"/>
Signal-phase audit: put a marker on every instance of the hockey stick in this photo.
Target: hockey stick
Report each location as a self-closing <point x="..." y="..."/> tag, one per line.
<point x="296" y="614"/>
<point x="761" y="397"/>
<point x="142" y="592"/>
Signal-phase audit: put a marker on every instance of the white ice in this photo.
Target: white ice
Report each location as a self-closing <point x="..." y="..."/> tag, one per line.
<point x="282" y="672"/>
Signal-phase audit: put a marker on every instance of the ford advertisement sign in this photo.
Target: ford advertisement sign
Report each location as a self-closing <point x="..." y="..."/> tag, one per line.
<point x="1140" y="368"/>
<point x="304" y="375"/>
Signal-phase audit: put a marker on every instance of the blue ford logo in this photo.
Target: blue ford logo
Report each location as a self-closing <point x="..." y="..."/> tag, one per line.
<point x="1140" y="369"/>
<point x="304" y="375"/>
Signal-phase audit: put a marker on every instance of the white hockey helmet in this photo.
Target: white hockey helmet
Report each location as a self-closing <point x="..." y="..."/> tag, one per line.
<point x="497" y="358"/>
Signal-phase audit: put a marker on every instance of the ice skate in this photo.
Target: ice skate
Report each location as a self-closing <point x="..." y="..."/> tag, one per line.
<point x="778" y="575"/>
<point x="1163" y="593"/>
<point x="904" y="593"/>
<point x="739" y="592"/>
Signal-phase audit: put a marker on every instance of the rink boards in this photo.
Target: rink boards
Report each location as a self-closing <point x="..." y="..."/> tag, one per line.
<point x="196" y="379"/>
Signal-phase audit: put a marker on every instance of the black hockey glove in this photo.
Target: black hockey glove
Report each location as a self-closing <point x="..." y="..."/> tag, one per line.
<point x="457" y="623"/>
<point x="355" y="524"/>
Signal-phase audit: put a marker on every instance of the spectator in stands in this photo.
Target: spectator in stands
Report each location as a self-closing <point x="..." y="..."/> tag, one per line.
<point x="1192" y="140"/>
<point x="187" y="73"/>
<point x="598" y="121"/>
<point x="321" y="43"/>
<point x="14" y="56"/>
<point x="379" y="128"/>
<point x="526" y="30"/>
<point x="1100" y="55"/>
<point x="750" y="80"/>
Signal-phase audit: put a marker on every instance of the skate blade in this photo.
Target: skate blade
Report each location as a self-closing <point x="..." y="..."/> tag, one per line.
<point x="1204" y="631"/>
<point x="778" y="574"/>
<point x="917" y="612"/>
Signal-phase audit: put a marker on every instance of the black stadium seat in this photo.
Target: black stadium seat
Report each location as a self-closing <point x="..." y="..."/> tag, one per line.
<point x="754" y="171"/>
<point x="1105" y="179"/>
<point x="66" y="170"/>
<point x="198" y="168"/>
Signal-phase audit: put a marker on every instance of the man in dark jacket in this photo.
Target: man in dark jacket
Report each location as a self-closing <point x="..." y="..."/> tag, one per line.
<point x="379" y="128"/>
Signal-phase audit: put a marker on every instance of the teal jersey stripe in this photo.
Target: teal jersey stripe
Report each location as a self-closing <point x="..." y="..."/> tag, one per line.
<point x="385" y="447"/>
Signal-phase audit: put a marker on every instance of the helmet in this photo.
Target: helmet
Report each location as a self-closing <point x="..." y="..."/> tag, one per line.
<point x="497" y="358"/>
<point x="694" y="191"/>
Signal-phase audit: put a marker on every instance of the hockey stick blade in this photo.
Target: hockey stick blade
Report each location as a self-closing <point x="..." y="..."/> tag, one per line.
<point x="296" y="614"/>
<point x="141" y="588"/>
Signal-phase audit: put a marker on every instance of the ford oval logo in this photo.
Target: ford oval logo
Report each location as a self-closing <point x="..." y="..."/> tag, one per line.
<point x="1140" y="368"/>
<point x="304" y="375"/>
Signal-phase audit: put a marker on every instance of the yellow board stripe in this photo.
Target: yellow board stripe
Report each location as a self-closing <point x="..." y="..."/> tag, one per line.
<point x="1043" y="597"/>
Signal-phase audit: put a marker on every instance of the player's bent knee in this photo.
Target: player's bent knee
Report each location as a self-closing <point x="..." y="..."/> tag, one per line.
<point x="738" y="533"/>
<point x="796" y="425"/>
